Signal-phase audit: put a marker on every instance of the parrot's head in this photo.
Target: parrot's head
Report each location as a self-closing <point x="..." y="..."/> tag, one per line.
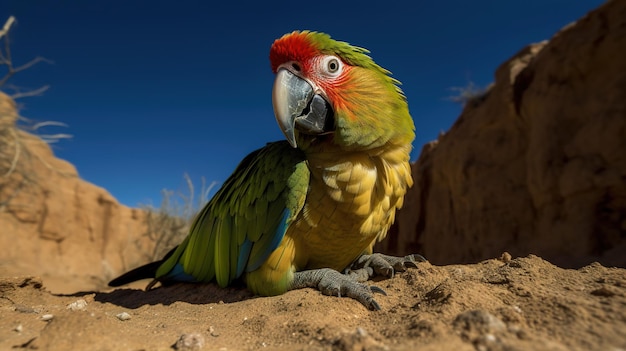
<point x="328" y="91"/>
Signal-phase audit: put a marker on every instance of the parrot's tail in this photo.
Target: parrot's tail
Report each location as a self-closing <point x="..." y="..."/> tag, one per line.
<point x="142" y="272"/>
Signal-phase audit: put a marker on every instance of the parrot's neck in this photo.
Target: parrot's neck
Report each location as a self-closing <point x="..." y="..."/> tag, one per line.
<point x="326" y="155"/>
<point x="378" y="171"/>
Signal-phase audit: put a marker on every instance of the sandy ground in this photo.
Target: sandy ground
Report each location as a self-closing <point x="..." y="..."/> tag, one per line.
<point x="499" y="304"/>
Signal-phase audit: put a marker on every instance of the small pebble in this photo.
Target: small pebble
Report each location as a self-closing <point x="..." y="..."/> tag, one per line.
<point x="506" y="257"/>
<point x="47" y="317"/>
<point x="123" y="316"/>
<point x="190" y="342"/>
<point x="213" y="332"/>
<point x="18" y="328"/>
<point x="489" y="338"/>
<point x="78" y="305"/>
<point x="479" y="320"/>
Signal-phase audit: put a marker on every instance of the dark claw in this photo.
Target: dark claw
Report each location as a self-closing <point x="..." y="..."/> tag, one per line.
<point x="416" y="258"/>
<point x="411" y="261"/>
<point x="374" y="306"/>
<point x="376" y="289"/>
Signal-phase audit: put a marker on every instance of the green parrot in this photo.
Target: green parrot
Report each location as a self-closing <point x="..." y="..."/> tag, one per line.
<point x="306" y="212"/>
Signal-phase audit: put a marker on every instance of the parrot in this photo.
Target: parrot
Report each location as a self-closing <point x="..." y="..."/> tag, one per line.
<point x="306" y="211"/>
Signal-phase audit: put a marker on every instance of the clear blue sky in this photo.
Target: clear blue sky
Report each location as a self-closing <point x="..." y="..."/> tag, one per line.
<point x="153" y="89"/>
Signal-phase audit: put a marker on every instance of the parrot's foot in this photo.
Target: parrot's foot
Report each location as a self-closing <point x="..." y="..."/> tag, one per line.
<point x="368" y="266"/>
<point x="330" y="282"/>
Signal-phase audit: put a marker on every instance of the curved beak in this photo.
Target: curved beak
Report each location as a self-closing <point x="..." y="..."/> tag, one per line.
<point x="297" y="106"/>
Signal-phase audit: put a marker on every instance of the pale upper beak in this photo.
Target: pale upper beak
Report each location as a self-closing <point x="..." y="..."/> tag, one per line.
<point x="298" y="107"/>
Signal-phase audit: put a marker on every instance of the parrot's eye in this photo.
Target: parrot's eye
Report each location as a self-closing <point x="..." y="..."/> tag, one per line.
<point x="331" y="65"/>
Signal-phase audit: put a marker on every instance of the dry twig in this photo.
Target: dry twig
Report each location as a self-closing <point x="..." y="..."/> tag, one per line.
<point x="16" y="162"/>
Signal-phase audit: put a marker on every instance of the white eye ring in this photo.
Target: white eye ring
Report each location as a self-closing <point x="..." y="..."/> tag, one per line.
<point x="332" y="66"/>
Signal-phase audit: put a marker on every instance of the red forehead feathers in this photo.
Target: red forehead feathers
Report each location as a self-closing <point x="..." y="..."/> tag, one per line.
<point x="295" y="46"/>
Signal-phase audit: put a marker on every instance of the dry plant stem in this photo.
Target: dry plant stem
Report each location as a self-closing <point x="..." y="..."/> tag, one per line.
<point x="16" y="155"/>
<point x="7" y="26"/>
<point x="6" y="60"/>
<point x="168" y="224"/>
<point x="16" y="161"/>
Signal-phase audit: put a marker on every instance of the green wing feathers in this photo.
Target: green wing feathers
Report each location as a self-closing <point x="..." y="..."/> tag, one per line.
<point x="246" y="219"/>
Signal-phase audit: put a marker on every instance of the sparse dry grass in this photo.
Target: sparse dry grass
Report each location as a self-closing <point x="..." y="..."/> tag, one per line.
<point x="168" y="224"/>
<point x="13" y="169"/>
<point x="471" y="94"/>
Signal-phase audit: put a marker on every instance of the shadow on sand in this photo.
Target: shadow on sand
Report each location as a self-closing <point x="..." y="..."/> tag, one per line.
<point x="166" y="295"/>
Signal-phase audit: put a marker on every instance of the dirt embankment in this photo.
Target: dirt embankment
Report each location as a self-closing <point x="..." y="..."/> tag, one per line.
<point x="535" y="165"/>
<point x="56" y="225"/>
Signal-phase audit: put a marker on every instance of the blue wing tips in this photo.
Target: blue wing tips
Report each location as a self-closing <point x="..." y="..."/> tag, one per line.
<point x="272" y="245"/>
<point x="280" y="231"/>
<point x="177" y="274"/>
<point x="244" y="255"/>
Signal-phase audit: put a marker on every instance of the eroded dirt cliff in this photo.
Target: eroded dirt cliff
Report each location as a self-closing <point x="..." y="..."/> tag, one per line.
<point x="535" y="165"/>
<point x="53" y="223"/>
